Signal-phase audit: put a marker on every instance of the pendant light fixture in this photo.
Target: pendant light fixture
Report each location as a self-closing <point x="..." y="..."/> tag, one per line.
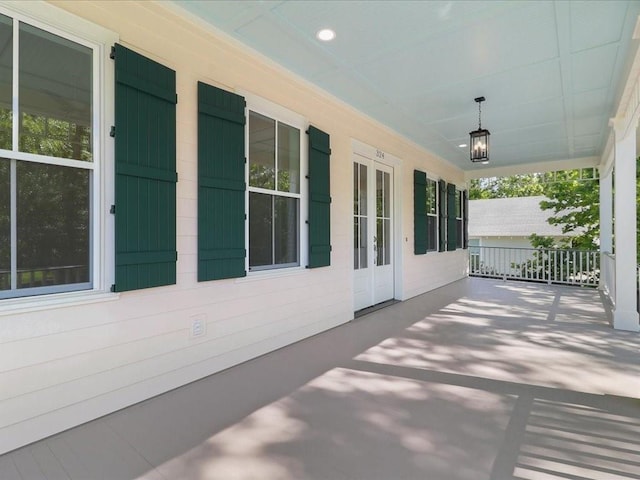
<point x="479" y="139"/>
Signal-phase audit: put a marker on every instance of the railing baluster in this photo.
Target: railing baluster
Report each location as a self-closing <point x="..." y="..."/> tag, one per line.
<point x="573" y="267"/>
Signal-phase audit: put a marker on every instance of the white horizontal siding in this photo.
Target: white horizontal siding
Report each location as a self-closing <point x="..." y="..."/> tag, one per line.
<point x="424" y="273"/>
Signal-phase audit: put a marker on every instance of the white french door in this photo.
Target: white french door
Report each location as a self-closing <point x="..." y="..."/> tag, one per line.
<point x="372" y="232"/>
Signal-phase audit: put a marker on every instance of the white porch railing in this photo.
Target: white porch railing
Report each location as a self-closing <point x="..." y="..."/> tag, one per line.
<point x="571" y="267"/>
<point x="609" y="276"/>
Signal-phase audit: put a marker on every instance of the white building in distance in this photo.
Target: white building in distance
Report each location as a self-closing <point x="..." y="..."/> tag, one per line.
<point x="508" y="222"/>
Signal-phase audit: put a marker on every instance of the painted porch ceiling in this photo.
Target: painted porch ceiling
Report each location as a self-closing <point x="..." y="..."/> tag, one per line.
<point x="552" y="71"/>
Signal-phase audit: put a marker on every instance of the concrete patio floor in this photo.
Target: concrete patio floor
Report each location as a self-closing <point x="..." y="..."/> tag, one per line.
<point x="480" y="379"/>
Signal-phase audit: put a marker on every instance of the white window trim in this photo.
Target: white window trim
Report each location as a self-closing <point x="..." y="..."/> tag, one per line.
<point x="280" y="114"/>
<point x="102" y="244"/>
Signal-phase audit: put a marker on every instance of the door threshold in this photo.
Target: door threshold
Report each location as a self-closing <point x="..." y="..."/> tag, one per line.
<point x="374" y="308"/>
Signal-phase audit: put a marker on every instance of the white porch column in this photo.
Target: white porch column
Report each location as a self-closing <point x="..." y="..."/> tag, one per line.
<point x="625" y="315"/>
<point x="606" y="223"/>
<point x="606" y="212"/>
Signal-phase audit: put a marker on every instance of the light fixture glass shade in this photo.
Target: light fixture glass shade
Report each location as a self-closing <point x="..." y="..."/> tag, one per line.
<point x="479" y="145"/>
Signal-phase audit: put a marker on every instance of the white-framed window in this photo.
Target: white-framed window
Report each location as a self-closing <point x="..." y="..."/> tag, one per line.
<point x="276" y="157"/>
<point x="51" y="152"/>
<point x="432" y="214"/>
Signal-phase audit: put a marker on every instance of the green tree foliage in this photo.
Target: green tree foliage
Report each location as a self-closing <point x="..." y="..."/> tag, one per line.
<point x="505" y="187"/>
<point x="540" y="241"/>
<point x="575" y="206"/>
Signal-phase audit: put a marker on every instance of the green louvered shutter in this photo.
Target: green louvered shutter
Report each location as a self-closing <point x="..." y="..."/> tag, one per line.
<point x="465" y="217"/>
<point x="419" y="212"/>
<point x="452" y="230"/>
<point x="442" y="213"/>
<point x="221" y="184"/>
<point x="319" y="199"/>
<point x="145" y="162"/>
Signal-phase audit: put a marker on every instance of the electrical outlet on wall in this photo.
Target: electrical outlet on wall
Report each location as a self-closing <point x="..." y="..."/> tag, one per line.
<point x="198" y="325"/>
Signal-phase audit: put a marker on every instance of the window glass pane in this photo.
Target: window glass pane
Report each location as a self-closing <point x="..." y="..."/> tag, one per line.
<point x="431" y="197"/>
<point x="5" y="225"/>
<point x="53" y="225"/>
<point x="6" y="81"/>
<point x="260" y="229"/>
<point x="432" y="223"/>
<point x="459" y="233"/>
<point x="286" y="230"/>
<point x="288" y="159"/>
<point x="55" y="95"/>
<point x="262" y="151"/>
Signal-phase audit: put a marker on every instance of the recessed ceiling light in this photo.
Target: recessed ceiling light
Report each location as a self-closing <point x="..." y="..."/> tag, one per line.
<point x="486" y="162"/>
<point x="462" y="145"/>
<point x="326" y="34"/>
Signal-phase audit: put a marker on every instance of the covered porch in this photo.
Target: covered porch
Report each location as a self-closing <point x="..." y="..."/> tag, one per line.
<point x="480" y="379"/>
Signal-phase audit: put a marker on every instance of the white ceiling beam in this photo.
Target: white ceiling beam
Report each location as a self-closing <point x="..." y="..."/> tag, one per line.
<point x="537" y="167"/>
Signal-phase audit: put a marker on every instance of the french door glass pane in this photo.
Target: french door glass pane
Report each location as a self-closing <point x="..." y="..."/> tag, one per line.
<point x="5" y="225"/>
<point x="356" y="242"/>
<point x="288" y="159"/>
<point x="356" y="195"/>
<point x="386" y="188"/>
<point x="6" y="78"/>
<point x="262" y="151"/>
<point x="55" y="95"/>
<point x="52" y="225"/>
<point x="387" y="241"/>
<point x="379" y="242"/>
<point x="364" y="263"/>
<point x="363" y="190"/>
<point x="382" y="194"/>
<point x="383" y="221"/>
<point x="379" y="193"/>
<point x="359" y="243"/>
<point x="285" y="231"/>
<point x="360" y="216"/>
<point x="383" y="245"/>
